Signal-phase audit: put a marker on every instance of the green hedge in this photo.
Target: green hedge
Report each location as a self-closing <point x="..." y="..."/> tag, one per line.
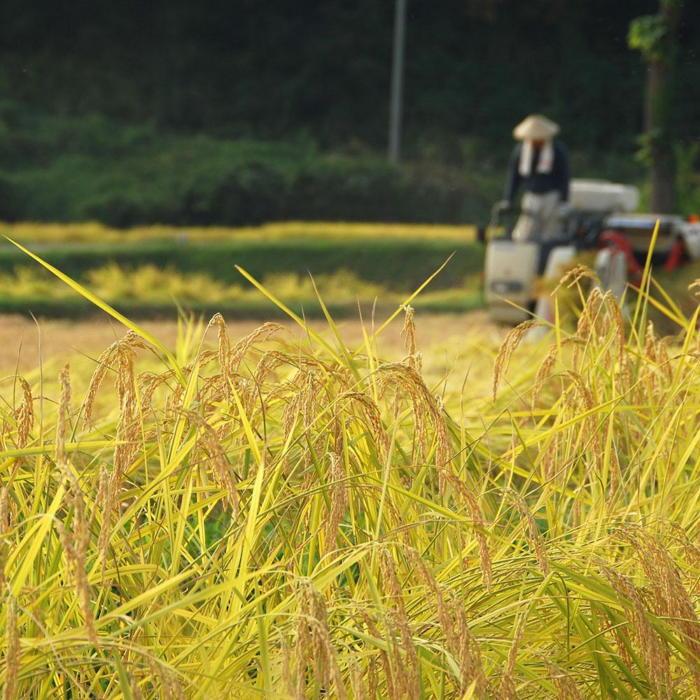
<point x="395" y="263"/>
<point x="91" y="168"/>
<point x="81" y="308"/>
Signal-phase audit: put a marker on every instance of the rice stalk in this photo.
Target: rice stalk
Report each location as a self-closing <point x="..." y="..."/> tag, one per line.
<point x="285" y="518"/>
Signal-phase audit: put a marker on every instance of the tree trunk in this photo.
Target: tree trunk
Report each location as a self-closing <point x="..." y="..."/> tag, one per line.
<point x="659" y="114"/>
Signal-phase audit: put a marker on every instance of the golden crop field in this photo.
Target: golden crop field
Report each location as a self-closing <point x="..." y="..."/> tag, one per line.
<point x="291" y="230"/>
<point x="150" y="284"/>
<point x="300" y="516"/>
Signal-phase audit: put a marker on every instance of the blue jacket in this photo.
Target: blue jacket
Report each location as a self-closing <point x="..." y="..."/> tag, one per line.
<point x="539" y="183"/>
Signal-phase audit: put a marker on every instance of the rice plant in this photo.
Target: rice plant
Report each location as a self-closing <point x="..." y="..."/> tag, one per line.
<point x="244" y="517"/>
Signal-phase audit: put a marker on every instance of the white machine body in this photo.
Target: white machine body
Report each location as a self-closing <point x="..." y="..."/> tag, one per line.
<point x="602" y="196"/>
<point x="510" y="273"/>
<point x="690" y="232"/>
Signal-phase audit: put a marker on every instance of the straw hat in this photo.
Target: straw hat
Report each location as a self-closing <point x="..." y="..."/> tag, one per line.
<point x="535" y="128"/>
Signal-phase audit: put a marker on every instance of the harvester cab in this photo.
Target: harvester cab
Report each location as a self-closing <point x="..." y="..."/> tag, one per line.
<point x="599" y="218"/>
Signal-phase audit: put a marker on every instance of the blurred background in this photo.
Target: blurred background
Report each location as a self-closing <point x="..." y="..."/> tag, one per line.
<point x="241" y="112"/>
<point x="245" y="113"/>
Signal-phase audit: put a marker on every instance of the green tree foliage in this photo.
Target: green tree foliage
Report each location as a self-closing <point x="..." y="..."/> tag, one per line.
<point x="647" y="35"/>
<point x="136" y="111"/>
<point x="272" y="68"/>
<point x="656" y="38"/>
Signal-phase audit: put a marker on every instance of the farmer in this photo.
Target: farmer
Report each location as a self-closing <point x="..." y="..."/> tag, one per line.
<point x="540" y="165"/>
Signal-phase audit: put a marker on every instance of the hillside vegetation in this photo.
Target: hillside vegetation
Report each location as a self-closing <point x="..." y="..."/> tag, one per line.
<point x="86" y="168"/>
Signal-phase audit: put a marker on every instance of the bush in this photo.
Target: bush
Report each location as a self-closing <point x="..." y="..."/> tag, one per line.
<point x="252" y="190"/>
<point x="77" y="169"/>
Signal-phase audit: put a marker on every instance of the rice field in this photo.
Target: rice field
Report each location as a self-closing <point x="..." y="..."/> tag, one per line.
<point x="147" y="286"/>
<point x="310" y="514"/>
<point x="449" y="341"/>
<point x="148" y="271"/>
<point x="93" y="232"/>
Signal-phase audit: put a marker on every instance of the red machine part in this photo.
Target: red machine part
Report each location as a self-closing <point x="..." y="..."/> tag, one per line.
<point x="675" y="256"/>
<point x="618" y="241"/>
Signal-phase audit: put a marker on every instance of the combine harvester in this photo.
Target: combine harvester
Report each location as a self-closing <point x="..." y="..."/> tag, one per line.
<point x="601" y="219"/>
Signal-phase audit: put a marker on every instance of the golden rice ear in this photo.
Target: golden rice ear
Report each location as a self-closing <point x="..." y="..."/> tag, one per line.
<point x="403" y="656"/>
<point x="4" y="510"/>
<point x="105" y="362"/>
<point x="389" y="684"/>
<point x="136" y="691"/>
<point x="671" y="598"/>
<point x="63" y="417"/>
<point x="588" y="319"/>
<point x="533" y="535"/>
<point x="372" y="417"/>
<point x="564" y="683"/>
<point x="287" y="666"/>
<point x="357" y="685"/>
<point x="615" y="314"/>
<point x="75" y="541"/>
<point x="508" y="347"/>
<point x="426" y="411"/>
<point x="224" y="351"/>
<point x="338" y="499"/>
<point x="653" y="649"/>
<point x="544" y="371"/>
<point x="313" y="644"/>
<point x="128" y="434"/>
<point x="479" y="526"/>
<point x="223" y="472"/>
<point x="260" y="334"/>
<point x="24" y="415"/>
<point x="409" y="333"/>
<point x="453" y="624"/>
<point x="507" y="689"/>
<point x="574" y="276"/>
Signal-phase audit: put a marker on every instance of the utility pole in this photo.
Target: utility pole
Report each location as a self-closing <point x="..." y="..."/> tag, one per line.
<point x="397" y="82"/>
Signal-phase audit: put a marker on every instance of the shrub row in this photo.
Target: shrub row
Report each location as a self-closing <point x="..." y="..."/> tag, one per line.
<point x="241" y="194"/>
<point x="90" y="168"/>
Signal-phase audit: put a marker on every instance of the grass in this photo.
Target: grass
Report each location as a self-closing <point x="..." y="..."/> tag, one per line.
<point x="246" y="517"/>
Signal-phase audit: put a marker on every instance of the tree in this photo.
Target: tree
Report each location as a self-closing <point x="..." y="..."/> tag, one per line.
<point x="656" y="38"/>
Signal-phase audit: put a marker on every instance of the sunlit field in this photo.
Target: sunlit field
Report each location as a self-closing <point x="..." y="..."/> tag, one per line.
<point x="148" y="287"/>
<point x="148" y="271"/>
<point x="287" y="230"/>
<point x="306" y="513"/>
